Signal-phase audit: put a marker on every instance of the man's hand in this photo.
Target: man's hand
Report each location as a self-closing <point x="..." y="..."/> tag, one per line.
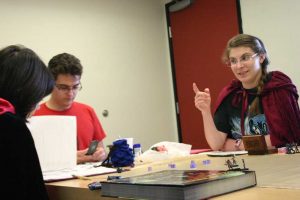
<point x="98" y="155"/>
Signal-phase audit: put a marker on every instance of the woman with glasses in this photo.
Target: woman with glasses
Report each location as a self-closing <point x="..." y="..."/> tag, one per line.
<point x="24" y="82"/>
<point x="67" y="70"/>
<point x="257" y="102"/>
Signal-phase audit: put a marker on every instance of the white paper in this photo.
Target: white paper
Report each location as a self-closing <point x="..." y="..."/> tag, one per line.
<point x="173" y="150"/>
<point x="55" y="141"/>
<point x="225" y="153"/>
<point x="87" y="169"/>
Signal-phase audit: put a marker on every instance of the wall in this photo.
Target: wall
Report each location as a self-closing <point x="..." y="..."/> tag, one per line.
<point x="123" y="47"/>
<point x="276" y="23"/>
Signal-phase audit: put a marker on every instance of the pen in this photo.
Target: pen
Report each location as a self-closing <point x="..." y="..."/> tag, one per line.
<point x="81" y="177"/>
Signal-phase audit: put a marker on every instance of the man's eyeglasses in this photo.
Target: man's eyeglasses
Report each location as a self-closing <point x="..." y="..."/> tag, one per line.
<point x="243" y="59"/>
<point x="66" y="88"/>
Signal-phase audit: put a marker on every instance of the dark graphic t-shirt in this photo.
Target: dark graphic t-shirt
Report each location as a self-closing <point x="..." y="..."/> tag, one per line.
<point x="228" y="118"/>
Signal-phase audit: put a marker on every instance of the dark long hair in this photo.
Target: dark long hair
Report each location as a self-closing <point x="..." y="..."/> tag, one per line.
<point x="24" y="79"/>
<point x="257" y="46"/>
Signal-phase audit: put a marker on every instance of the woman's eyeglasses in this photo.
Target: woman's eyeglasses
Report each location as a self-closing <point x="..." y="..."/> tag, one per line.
<point x="243" y="59"/>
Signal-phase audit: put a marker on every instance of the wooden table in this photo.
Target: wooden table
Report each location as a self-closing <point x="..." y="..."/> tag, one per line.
<point x="278" y="177"/>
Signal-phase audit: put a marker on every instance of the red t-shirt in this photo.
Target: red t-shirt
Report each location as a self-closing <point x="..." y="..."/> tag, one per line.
<point x="88" y="124"/>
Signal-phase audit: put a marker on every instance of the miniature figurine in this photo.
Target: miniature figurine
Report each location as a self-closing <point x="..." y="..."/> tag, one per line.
<point x="233" y="165"/>
<point x="290" y="148"/>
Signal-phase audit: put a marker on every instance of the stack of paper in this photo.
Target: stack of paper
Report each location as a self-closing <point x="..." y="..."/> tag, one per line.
<point x="55" y="141"/>
<point x="80" y="170"/>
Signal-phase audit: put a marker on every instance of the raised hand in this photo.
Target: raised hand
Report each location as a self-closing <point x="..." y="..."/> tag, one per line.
<point x="202" y="99"/>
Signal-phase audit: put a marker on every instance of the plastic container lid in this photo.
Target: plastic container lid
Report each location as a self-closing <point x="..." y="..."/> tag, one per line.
<point x="137" y="146"/>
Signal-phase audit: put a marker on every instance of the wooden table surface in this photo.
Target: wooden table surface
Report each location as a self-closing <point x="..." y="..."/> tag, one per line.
<point x="278" y="177"/>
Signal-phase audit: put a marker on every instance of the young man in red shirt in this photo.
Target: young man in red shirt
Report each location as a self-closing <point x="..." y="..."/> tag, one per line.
<point x="67" y="71"/>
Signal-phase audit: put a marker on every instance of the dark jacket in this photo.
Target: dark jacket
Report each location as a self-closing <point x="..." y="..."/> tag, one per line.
<point x="20" y="167"/>
<point x="279" y="99"/>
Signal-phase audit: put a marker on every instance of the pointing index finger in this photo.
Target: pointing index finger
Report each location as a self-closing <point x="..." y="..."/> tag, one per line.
<point x="195" y="88"/>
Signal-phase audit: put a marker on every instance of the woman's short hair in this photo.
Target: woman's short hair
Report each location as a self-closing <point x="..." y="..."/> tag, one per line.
<point x="24" y="79"/>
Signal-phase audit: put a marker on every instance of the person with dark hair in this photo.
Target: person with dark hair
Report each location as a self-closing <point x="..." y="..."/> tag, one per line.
<point x="67" y="71"/>
<point x="256" y="102"/>
<point x="24" y="82"/>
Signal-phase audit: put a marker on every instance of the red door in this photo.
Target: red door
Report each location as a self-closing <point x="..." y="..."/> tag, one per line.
<point x="199" y="35"/>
